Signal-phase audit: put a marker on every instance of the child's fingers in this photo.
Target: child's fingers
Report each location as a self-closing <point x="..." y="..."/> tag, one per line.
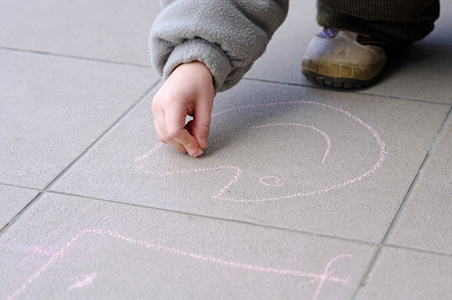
<point x="177" y="134"/>
<point x="162" y="133"/>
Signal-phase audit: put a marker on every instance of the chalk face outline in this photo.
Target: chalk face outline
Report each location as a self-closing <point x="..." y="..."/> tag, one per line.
<point x="89" y="278"/>
<point x="222" y="194"/>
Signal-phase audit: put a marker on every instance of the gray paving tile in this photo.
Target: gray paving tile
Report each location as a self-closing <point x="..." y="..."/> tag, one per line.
<point x="424" y="71"/>
<point x="89" y="249"/>
<point x="107" y="30"/>
<point x="329" y="162"/>
<point x="406" y="274"/>
<point x="52" y="108"/>
<point x="282" y="59"/>
<point x="421" y="72"/>
<point x="12" y="201"/>
<point x="425" y="222"/>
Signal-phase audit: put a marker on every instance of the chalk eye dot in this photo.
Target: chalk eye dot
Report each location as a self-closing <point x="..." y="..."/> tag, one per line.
<point x="272" y="181"/>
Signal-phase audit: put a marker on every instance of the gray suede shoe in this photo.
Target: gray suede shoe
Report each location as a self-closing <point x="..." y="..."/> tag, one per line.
<point x="343" y="59"/>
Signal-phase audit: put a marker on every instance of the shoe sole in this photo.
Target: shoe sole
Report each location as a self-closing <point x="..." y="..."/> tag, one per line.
<point x="336" y="82"/>
<point x="339" y="75"/>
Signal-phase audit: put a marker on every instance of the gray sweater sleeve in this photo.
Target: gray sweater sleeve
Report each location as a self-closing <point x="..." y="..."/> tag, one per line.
<point x="226" y="35"/>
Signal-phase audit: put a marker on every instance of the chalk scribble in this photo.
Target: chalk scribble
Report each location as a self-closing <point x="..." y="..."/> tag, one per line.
<point x="88" y="279"/>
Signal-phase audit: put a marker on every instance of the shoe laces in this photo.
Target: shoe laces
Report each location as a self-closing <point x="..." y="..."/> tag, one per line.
<point x="361" y="39"/>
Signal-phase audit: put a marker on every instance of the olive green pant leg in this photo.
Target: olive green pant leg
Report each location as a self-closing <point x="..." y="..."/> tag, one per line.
<point x="400" y="22"/>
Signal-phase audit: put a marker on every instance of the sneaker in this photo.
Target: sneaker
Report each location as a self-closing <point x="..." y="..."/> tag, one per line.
<point x="343" y="59"/>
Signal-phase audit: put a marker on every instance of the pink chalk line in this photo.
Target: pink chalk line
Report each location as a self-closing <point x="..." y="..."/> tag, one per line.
<point x="322" y="278"/>
<point x="33" y="249"/>
<point x="221" y="194"/>
<point x="328" y="141"/>
<point x="87" y="280"/>
<point x="276" y="181"/>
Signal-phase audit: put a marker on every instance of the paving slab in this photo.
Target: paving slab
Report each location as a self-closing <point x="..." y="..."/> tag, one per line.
<point x="53" y="108"/>
<point x="282" y="60"/>
<point x="425" y="69"/>
<point x="421" y="72"/>
<point x="99" y="250"/>
<point x="12" y="201"/>
<point x="406" y="274"/>
<point x="306" y="159"/>
<point x="425" y="222"/>
<point x="104" y="29"/>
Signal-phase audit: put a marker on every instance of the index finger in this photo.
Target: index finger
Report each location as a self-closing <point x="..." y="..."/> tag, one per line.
<point x="175" y="126"/>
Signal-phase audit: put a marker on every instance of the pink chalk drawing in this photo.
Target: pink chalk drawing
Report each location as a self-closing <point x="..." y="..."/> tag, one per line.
<point x="88" y="279"/>
<point x="271" y="180"/>
<point x="327" y="138"/>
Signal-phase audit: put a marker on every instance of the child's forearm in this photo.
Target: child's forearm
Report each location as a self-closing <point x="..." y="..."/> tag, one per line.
<point x="226" y="35"/>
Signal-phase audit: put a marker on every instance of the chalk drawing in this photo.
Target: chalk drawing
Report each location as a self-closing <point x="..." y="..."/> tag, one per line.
<point x="327" y="138"/>
<point x="271" y="180"/>
<point x="87" y="279"/>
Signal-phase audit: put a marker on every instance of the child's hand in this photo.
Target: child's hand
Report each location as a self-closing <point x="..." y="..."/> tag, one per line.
<point x="187" y="91"/>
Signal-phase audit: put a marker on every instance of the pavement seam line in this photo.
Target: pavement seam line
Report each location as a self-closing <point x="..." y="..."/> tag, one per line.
<point x="417" y="177"/>
<point x="441" y="130"/>
<point x="355" y="92"/>
<point x="396" y="218"/>
<point x="361" y="242"/>
<point x="366" y="275"/>
<point x="74" y="57"/>
<point x="19" y="187"/>
<point x="100" y="137"/>
<point x="376" y="257"/>
<point x="79" y="157"/>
